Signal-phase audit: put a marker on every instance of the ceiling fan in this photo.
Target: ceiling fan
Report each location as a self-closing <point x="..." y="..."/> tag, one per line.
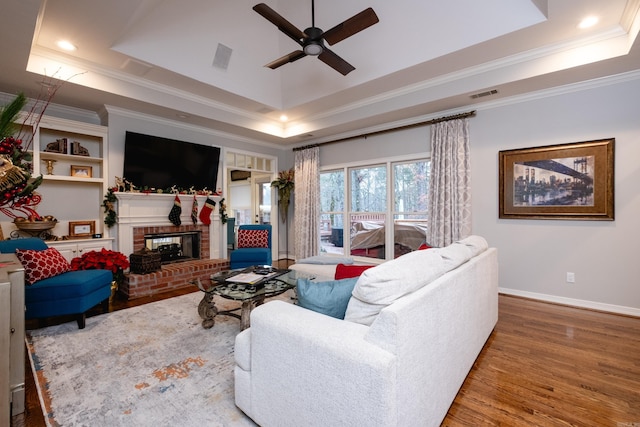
<point x="312" y="39"/>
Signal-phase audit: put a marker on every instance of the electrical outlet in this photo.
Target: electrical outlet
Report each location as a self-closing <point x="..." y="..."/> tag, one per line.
<point x="571" y="277"/>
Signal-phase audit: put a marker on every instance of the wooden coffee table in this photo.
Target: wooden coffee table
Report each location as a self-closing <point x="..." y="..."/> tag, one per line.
<point x="237" y="285"/>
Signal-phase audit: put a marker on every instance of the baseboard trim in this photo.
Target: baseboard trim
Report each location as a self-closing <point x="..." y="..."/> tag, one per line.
<point x="592" y="305"/>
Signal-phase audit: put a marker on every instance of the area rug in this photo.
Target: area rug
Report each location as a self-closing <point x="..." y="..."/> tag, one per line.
<point x="151" y="365"/>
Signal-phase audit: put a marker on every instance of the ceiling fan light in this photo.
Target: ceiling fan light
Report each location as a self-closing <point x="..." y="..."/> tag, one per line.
<point x="313" y="48"/>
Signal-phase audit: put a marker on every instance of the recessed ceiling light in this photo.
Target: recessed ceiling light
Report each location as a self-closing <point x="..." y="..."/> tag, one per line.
<point x="66" y="45"/>
<point x="284" y="118"/>
<point x="587" y="22"/>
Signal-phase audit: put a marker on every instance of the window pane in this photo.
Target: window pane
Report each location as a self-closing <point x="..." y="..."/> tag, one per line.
<point x="368" y="235"/>
<point x="369" y="189"/>
<point x="411" y="184"/>
<point x="331" y="235"/>
<point x="332" y="191"/>
<point x="332" y="212"/>
<point x="409" y="232"/>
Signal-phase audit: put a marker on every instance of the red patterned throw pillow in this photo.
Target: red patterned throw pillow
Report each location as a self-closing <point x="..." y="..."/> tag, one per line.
<point x="39" y="265"/>
<point x="253" y="238"/>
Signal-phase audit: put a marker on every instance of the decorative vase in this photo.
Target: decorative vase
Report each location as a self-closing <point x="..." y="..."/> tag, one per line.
<point x="49" y="164"/>
<point x="114" y="289"/>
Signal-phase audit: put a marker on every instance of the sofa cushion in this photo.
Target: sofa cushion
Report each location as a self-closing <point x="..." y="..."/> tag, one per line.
<point x="69" y="285"/>
<point x="378" y="287"/>
<point x="253" y="238"/>
<point x="330" y="297"/>
<point x="476" y="244"/>
<point x="41" y="264"/>
<point x="10" y="246"/>
<point x="347" y="271"/>
<point x="325" y="260"/>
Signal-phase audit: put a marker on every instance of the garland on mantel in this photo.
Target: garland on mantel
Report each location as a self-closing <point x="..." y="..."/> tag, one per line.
<point x="222" y="210"/>
<point x="110" y="217"/>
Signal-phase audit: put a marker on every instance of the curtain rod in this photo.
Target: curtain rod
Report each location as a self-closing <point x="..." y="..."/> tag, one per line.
<point x="306" y="147"/>
<point x="426" y="123"/>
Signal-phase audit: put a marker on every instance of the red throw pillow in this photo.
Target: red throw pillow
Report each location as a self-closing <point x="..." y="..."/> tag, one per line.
<point x="348" y="271"/>
<point x="39" y="265"/>
<point x="253" y="238"/>
<point x="424" y="246"/>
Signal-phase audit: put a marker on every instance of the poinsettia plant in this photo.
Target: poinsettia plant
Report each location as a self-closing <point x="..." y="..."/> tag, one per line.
<point x="104" y="259"/>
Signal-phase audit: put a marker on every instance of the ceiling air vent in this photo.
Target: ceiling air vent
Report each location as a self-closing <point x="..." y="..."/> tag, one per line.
<point x="483" y="94"/>
<point x="222" y="57"/>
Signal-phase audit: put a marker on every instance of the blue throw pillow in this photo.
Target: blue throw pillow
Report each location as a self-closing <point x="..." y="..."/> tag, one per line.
<point x="330" y="298"/>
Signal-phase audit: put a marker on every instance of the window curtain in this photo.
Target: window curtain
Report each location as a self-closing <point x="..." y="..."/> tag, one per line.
<point x="306" y="202"/>
<point x="450" y="183"/>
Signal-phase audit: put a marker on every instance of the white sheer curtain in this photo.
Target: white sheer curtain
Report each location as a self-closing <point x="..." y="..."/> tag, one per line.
<point x="306" y="202"/>
<point x="450" y="183"/>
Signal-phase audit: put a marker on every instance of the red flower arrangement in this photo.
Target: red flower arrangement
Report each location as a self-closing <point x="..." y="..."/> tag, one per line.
<point x="104" y="259"/>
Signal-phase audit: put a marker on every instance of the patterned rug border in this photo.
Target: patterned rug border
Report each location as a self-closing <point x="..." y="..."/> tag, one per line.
<point x="42" y="385"/>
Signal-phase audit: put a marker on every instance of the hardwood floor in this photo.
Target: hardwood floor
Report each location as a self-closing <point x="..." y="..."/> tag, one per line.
<point x="544" y="365"/>
<point x="552" y="365"/>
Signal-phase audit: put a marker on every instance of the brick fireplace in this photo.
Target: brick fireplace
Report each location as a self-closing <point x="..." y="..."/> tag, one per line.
<point x="139" y="234"/>
<point x="144" y="214"/>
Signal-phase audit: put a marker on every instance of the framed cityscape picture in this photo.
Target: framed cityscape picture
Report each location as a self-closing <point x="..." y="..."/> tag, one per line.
<point x="566" y="181"/>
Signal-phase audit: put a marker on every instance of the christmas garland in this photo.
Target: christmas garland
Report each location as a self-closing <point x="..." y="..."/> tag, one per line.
<point x="222" y="210"/>
<point x="111" y="217"/>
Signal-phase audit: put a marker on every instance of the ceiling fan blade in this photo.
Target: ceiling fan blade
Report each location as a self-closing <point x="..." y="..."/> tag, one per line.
<point x="283" y="25"/>
<point x="334" y="61"/>
<point x="290" y="57"/>
<point x="351" y="26"/>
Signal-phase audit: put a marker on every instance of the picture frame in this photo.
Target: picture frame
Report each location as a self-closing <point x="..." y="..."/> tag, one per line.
<point x="573" y="181"/>
<point x="81" y="171"/>
<point x="82" y="228"/>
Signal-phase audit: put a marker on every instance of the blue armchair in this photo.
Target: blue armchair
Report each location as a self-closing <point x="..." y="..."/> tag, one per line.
<point x="254" y="246"/>
<point x="73" y="292"/>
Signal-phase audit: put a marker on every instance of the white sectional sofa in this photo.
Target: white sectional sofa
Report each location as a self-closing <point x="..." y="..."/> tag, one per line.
<point x="412" y="331"/>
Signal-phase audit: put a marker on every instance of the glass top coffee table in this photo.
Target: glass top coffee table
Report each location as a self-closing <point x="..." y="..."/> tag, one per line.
<point x="250" y="286"/>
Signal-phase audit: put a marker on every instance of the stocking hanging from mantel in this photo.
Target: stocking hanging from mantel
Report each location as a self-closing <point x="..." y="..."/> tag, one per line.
<point x="205" y="213"/>
<point x="194" y="210"/>
<point x="176" y="211"/>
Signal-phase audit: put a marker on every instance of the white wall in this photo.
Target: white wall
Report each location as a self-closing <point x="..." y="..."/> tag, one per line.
<point x="535" y="255"/>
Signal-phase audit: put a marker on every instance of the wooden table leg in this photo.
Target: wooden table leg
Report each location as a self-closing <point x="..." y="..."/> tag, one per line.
<point x="207" y="310"/>
<point x="245" y="314"/>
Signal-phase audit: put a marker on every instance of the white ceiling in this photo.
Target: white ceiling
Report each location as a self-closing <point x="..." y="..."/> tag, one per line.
<point x="424" y="57"/>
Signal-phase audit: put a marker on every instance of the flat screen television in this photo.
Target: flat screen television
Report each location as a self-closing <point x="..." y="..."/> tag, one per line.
<point x="154" y="162"/>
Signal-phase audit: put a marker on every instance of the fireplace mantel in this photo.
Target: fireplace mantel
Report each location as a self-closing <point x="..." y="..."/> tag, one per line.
<point x="136" y="210"/>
